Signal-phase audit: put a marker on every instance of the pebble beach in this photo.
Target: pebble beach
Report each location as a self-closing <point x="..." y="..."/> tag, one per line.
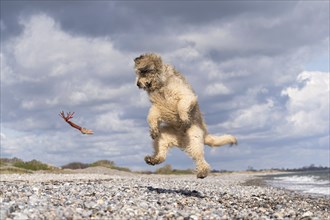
<point x="101" y="194"/>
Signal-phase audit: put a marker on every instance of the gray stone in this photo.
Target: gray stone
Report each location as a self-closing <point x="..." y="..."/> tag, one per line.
<point x="20" y="216"/>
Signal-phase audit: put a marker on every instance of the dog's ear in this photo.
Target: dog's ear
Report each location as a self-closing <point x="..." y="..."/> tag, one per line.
<point x="155" y="62"/>
<point x="147" y="68"/>
<point x="138" y="58"/>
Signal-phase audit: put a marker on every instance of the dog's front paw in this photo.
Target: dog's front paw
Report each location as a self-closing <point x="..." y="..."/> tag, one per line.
<point x="154" y="133"/>
<point x="233" y="141"/>
<point x="150" y="160"/>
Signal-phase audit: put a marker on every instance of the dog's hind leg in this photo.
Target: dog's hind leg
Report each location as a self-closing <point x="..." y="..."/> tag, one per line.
<point x="195" y="148"/>
<point x="166" y="139"/>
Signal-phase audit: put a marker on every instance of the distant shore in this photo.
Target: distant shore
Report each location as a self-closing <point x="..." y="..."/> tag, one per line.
<point x="100" y="193"/>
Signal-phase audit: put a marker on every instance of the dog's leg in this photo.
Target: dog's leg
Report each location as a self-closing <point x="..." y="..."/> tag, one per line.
<point x="153" y="121"/>
<point x="160" y="152"/>
<point x="195" y="148"/>
<point x="166" y="139"/>
<point x="185" y="105"/>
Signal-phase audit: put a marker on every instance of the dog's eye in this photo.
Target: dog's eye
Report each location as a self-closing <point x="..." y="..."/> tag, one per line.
<point x="144" y="71"/>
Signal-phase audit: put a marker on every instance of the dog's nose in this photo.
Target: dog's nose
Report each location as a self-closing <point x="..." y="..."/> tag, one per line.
<point x="138" y="84"/>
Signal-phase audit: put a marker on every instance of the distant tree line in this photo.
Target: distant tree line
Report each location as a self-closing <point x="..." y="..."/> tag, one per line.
<point x="166" y="169"/>
<point x="311" y="167"/>
<point x="102" y="163"/>
<point x="28" y="165"/>
<point x="37" y="165"/>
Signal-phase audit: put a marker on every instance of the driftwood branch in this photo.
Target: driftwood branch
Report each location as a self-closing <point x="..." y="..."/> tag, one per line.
<point x="69" y="116"/>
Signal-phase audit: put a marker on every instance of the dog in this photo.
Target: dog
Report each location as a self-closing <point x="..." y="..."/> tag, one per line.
<point x="174" y="117"/>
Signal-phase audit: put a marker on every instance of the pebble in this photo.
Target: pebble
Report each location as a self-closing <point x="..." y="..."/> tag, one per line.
<point x="138" y="196"/>
<point x="278" y="215"/>
<point x="307" y="214"/>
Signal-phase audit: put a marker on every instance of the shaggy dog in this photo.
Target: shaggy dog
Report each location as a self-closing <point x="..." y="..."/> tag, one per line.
<point x="174" y="117"/>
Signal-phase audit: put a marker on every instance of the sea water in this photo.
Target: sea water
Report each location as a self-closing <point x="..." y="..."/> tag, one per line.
<point x="310" y="182"/>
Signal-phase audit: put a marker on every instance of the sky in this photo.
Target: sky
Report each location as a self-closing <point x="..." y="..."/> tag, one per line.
<point x="260" y="70"/>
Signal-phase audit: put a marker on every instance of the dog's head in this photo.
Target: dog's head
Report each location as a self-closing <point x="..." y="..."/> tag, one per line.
<point x="148" y="68"/>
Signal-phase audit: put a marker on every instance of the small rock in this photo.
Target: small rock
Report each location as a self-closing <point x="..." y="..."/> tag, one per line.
<point x="194" y="217"/>
<point x="20" y="216"/>
<point x="3" y="214"/>
<point x="100" y="201"/>
<point x="90" y="205"/>
<point x="291" y="213"/>
<point x="307" y="214"/>
<point x="278" y="207"/>
<point x="86" y="214"/>
<point x="278" y="215"/>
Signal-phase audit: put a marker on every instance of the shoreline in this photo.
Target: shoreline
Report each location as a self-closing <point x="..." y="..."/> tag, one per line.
<point x="140" y="196"/>
<point x="265" y="180"/>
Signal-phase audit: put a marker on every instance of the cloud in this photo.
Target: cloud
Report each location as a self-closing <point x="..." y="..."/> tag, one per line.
<point x="44" y="47"/>
<point x="255" y="117"/>
<point x="260" y="33"/>
<point x="112" y="121"/>
<point x="305" y="112"/>
<point x="217" y="89"/>
<point x="308" y="105"/>
<point x="45" y="56"/>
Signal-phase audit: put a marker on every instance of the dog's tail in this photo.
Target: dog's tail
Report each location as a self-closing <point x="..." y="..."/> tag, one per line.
<point x="216" y="141"/>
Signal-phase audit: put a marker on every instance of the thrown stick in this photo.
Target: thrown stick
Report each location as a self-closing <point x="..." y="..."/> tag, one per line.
<point x="67" y="118"/>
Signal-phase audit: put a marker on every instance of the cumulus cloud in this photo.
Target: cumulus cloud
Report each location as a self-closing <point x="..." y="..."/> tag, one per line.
<point x="255" y="117"/>
<point x="44" y="48"/>
<point x="308" y="104"/>
<point x="217" y="89"/>
<point x="112" y="121"/>
<point x="75" y="70"/>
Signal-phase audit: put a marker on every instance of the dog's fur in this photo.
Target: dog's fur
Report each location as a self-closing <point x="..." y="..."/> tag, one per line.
<point x="174" y="117"/>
